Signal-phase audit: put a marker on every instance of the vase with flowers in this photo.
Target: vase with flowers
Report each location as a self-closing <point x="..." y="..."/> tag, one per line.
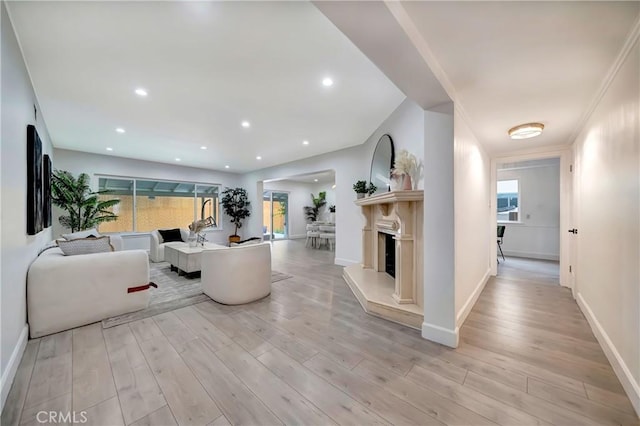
<point x="405" y="167"/>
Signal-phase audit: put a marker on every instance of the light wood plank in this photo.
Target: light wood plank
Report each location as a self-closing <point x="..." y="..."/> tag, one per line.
<point x="282" y="340"/>
<point x="160" y="417"/>
<point x="189" y="402"/>
<point x="105" y="413"/>
<point x="385" y="404"/>
<point x="611" y="399"/>
<point x="92" y="378"/>
<point x="220" y="421"/>
<point x="488" y="407"/>
<point x="203" y="329"/>
<point x="525" y="402"/>
<point x="235" y="400"/>
<point x="137" y="389"/>
<point x="18" y="393"/>
<point x="445" y="410"/>
<point x="121" y="338"/>
<point x="282" y="400"/>
<point x="145" y="329"/>
<point x="334" y="403"/>
<point x="250" y="341"/>
<point x="174" y="329"/>
<point x="570" y="401"/>
<point x="60" y="404"/>
<point x="52" y="372"/>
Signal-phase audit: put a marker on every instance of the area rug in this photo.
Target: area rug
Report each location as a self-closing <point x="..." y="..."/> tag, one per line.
<point x="174" y="291"/>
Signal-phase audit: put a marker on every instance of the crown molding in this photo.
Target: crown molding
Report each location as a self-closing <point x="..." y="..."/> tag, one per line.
<point x="631" y="40"/>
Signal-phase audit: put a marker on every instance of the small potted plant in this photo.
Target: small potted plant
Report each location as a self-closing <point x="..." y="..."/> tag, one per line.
<point x="371" y="189"/>
<point x="332" y="213"/>
<point x="360" y="187"/>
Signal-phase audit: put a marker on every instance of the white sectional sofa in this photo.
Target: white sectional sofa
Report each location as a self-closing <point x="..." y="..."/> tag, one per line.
<point x="64" y="292"/>
<point x="157" y="245"/>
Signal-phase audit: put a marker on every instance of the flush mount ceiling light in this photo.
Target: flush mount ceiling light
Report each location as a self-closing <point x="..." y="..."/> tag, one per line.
<point x="141" y="92"/>
<point x="525" y="131"/>
<point x="327" y="82"/>
<point x="120" y="130"/>
<point x="245" y="124"/>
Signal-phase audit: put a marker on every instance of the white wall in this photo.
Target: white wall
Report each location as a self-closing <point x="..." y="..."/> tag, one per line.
<point x="299" y="197"/>
<point x="473" y="212"/>
<point x="439" y="230"/>
<point x="18" y="248"/>
<point x="538" y="234"/>
<point x="405" y="125"/>
<point x="607" y="167"/>
<point x="82" y="162"/>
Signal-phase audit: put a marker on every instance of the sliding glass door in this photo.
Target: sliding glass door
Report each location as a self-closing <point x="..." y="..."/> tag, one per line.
<point x="275" y="215"/>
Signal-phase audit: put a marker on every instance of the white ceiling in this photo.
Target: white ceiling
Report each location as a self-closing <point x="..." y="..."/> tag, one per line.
<point x="517" y="62"/>
<point x="322" y="177"/>
<point x="207" y="66"/>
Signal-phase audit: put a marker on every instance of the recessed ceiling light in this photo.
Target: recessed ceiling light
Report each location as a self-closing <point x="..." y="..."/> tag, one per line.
<point x="203" y="147"/>
<point x="226" y="167"/>
<point x="177" y="159"/>
<point x="120" y="130"/>
<point x="141" y="92"/>
<point x="109" y="148"/>
<point x="258" y="158"/>
<point x="315" y="180"/>
<point x="245" y="124"/>
<point x="333" y="186"/>
<point x="525" y="131"/>
<point x="305" y="142"/>
<point x="327" y="82"/>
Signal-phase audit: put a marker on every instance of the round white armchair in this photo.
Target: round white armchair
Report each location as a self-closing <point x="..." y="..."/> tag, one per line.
<point x="237" y="275"/>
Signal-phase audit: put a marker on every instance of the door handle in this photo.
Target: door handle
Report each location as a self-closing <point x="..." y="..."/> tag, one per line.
<point x="573" y="231"/>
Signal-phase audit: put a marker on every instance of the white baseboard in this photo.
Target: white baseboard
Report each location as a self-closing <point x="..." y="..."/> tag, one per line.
<point x="440" y="335"/>
<point x="346" y="262"/>
<point x="530" y="254"/>
<point x="468" y="305"/>
<point x="14" y="361"/>
<point x="631" y="387"/>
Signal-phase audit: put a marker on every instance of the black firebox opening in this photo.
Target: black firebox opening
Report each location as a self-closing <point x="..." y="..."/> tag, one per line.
<point x="390" y="255"/>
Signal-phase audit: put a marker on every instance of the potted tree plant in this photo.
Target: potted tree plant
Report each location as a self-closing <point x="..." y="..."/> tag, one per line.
<point x="236" y="205"/>
<point x="84" y="207"/>
<point x="312" y="212"/>
<point x="360" y="187"/>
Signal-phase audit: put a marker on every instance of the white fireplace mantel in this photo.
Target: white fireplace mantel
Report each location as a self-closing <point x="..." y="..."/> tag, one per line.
<point x="400" y="214"/>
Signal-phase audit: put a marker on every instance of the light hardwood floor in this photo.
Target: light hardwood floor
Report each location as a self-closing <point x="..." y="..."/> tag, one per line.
<point x="309" y="355"/>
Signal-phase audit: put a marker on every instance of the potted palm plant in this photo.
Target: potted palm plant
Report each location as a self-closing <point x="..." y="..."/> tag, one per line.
<point x="235" y="203"/>
<point x="85" y="209"/>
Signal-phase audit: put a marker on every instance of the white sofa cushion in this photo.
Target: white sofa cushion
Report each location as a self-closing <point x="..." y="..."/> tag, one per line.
<point x="89" y="245"/>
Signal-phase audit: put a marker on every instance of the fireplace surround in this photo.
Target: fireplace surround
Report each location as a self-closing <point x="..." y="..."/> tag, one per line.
<point x="393" y="226"/>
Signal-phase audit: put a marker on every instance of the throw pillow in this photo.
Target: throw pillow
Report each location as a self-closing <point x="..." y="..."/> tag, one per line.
<point x="170" y="235"/>
<point x="93" y="232"/>
<point x="85" y="246"/>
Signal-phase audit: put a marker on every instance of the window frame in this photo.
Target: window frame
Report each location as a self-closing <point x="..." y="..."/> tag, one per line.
<point x="219" y="222"/>
<point x="503" y="221"/>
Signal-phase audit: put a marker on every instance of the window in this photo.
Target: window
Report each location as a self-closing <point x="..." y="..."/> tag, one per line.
<point x="121" y="189"/>
<point x="508" y="201"/>
<point x="153" y="204"/>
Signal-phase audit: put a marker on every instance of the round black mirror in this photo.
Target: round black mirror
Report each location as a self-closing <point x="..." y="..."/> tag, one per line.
<point x="382" y="163"/>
